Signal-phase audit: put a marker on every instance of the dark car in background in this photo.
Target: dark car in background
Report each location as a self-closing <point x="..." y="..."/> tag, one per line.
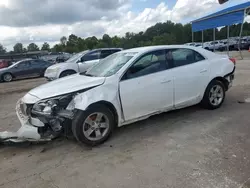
<point x="24" y="69"/>
<point x="4" y="63"/>
<point x="244" y="44"/>
<point x="63" y="57"/>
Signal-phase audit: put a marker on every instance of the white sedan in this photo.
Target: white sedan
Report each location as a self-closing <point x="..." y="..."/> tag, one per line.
<point x="125" y="87"/>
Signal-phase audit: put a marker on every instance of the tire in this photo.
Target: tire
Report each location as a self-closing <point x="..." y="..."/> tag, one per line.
<point x="210" y="98"/>
<point x="66" y="73"/>
<point x="81" y="129"/>
<point x="7" y="77"/>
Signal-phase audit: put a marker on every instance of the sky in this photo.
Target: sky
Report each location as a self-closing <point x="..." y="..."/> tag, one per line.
<point x="40" y="21"/>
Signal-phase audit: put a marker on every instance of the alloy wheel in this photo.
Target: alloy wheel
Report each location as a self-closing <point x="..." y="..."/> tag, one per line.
<point x="216" y="95"/>
<point x="96" y="126"/>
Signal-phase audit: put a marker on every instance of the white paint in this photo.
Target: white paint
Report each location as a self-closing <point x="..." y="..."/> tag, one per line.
<point x="83" y="66"/>
<point x="147" y="94"/>
<point x="75" y="63"/>
<point x="66" y="85"/>
<point x="190" y="82"/>
<point x="137" y="98"/>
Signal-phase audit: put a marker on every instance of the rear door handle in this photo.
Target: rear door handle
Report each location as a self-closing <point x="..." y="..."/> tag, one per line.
<point x="165" y="81"/>
<point x="205" y="70"/>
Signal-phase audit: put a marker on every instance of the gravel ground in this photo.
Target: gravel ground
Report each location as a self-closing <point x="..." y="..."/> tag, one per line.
<point x="187" y="148"/>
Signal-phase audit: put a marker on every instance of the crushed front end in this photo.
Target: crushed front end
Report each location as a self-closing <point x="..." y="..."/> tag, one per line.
<point x="42" y="120"/>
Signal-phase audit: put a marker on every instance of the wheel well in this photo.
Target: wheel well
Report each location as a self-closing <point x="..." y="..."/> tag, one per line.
<point x="69" y="70"/>
<point x="7" y="73"/>
<point x="223" y="80"/>
<point x="110" y="106"/>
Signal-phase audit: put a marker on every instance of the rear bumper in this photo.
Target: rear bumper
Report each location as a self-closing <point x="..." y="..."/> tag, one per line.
<point x="230" y="78"/>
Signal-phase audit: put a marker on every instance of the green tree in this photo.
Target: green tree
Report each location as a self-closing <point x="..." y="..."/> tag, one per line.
<point x="72" y="44"/>
<point x="18" y="48"/>
<point x="57" y="48"/>
<point x="164" y="33"/>
<point x="45" y="46"/>
<point x="63" y="41"/>
<point x="25" y="50"/>
<point x="107" y="40"/>
<point x="2" y="49"/>
<point x="32" y="47"/>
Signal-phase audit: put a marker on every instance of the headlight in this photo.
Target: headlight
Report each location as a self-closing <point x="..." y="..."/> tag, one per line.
<point x="49" y="106"/>
<point x="50" y="70"/>
<point x="45" y="107"/>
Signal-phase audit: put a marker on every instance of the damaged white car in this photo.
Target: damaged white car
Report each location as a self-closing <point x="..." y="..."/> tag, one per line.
<point x="125" y="87"/>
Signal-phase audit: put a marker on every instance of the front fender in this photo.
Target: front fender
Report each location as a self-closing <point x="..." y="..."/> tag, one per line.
<point x="108" y="93"/>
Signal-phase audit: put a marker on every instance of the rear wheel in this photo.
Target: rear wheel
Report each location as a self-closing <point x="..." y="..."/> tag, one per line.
<point x="66" y="73"/>
<point x="7" y="77"/>
<point x="214" y="95"/>
<point x="93" y="126"/>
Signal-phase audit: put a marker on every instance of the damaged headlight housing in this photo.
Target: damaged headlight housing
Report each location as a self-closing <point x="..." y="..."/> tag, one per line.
<point x="48" y="106"/>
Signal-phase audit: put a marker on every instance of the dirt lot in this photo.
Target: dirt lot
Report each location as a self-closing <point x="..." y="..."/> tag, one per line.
<point x="187" y="148"/>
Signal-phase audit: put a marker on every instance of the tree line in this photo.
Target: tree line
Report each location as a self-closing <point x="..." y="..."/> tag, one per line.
<point x="165" y="33"/>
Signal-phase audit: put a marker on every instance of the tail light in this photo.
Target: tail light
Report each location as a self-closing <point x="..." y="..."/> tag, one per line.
<point x="233" y="60"/>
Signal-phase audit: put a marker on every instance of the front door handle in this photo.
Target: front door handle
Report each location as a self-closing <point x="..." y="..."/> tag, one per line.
<point x="205" y="70"/>
<point x="165" y="81"/>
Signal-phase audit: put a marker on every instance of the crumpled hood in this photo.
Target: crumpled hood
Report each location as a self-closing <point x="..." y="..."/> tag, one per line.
<point x="66" y="85"/>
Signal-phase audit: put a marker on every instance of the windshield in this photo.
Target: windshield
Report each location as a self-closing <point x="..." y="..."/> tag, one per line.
<point x="76" y="56"/>
<point x="110" y="65"/>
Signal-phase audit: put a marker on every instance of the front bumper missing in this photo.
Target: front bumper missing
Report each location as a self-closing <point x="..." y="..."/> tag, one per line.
<point x="27" y="132"/>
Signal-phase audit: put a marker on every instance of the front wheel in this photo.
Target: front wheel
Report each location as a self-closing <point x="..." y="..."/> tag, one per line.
<point x="66" y="73"/>
<point x="93" y="126"/>
<point x="7" y="77"/>
<point x="214" y="95"/>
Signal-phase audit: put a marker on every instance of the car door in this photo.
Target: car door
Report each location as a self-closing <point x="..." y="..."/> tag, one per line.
<point x="39" y="66"/>
<point x="191" y="76"/>
<point x="22" y="70"/>
<point x="35" y="66"/>
<point x="147" y="86"/>
<point x="88" y="60"/>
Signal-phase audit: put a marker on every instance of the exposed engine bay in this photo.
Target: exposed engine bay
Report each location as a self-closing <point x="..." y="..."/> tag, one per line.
<point x="42" y="121"/>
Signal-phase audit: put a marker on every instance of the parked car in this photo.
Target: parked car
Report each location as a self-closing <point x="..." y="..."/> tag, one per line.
<point x="190" y="44"/>
<point x="24" y="69"/>
<point x="214" y="45"/>
<point x="5" y="63"/>
<point x="125" y="87"/>
<point x="244" y="44"/>
<point x="62" y="58"/>
<point x="78" y="63"/>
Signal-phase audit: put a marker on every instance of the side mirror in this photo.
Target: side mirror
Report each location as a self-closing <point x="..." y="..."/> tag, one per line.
<point x="81" y="60"/>
<point x="222" y="1"/>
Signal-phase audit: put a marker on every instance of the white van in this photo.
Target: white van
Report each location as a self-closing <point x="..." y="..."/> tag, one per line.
<point x="80" y="62"/>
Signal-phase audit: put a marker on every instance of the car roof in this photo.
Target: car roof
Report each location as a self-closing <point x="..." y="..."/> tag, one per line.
<point x="141" y="50"/>
<point x="105" y="49"/>
<point x="150" y="48"/>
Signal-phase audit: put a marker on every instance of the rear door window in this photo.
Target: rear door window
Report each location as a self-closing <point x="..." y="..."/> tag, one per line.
<point x="24" y="65"/>
<point x="181" y="57"/>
